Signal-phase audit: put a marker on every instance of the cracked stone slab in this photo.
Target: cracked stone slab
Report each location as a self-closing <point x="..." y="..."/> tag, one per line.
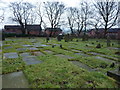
<point x="31" y="60"/>
<point x="14" y="80"/>
<point x="11" y="55"/>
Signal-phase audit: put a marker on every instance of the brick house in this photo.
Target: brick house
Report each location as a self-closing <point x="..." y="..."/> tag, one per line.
<point x="114" y="33"/>
<point x="52" y="31"/>
<point x="31" y="29"/>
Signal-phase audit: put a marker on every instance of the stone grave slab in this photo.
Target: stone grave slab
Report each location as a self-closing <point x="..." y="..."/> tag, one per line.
<point x="82" y="65"/>
<point x="82" y="54"/>
<point x="76" y="50"/>
<point x="40" y="45"/>
<point x="114" y="74"/>
<point x="48" y="51"/>
<point x="11" y="55"/>
<point x="14" y="80"/>
<point x="37" y="53"/>
<point x="64" y="56"/>
<point x="104" y="59"/>
<point x="24" y="54"/>
<point x="21" y="49"/>
<point x="94" y="53"/>
<point x="27" y="45"/>
<point x="33" y="48"/>
<point x="31" y="60"/>
<point x="9" y="47"/>
<point x="115" y="48"/>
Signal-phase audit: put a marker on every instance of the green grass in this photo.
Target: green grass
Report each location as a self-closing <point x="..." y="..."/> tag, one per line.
<point x="59" y="72"/>
<point x="12" y="65"/>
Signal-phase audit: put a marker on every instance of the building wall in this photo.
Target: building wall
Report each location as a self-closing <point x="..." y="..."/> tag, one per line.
<point x="17" y="31"/>
<point x="34" y="32"/>
<point x="53" y="33"/>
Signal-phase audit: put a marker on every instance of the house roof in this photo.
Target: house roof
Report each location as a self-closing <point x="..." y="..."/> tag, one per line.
<point x="110" y="30"/>
<point x="29" y="27"/>
<point x="55" y="29"/>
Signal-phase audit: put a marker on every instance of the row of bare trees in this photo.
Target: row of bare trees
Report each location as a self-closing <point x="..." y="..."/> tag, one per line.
<point x="100" y="14"/>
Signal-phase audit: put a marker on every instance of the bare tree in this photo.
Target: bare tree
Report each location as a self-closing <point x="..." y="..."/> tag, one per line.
<point x="21" y="13"/>
<point x="86" y="13"/>
<point x="71" y="18"/>
<point x="108" y="10"/>
<point x="79" y="20"/>
<point x="54" y="10"/>
<point x="40" y="14"/>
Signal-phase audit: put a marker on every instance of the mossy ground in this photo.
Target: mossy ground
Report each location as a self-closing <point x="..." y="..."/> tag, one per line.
<point x="59" y="72"/>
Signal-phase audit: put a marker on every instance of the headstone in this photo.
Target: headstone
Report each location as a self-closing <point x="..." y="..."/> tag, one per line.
<point x="53" y="46"/>
<point x="47" y="39"/>
<point x="98" y="45"/>
<point x="108" y="41"/>
<point x="60" y="45"/>
<point x="77" y="40"/>
<point x="84" y="37"/>
<point x="112" y="44"/>
<point x="59" y="37"/>
<point x="112" y="65"/>
<point x="66" y="38"/>
<point x="92" y="42"/>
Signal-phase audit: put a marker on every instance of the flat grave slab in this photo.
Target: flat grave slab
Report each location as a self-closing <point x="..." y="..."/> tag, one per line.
<point x="76" y="50"/>
<point x="11" y="55"/>
<point x="64" y="56"/>
<point x="115" y="48"/>
<point x="9" y="47"/>
<point x="31" y="60"/>
<point x="94" y="53"/>
<point x="27" y="45"/>
<point x="82" y="54"/>
<point x="33" y="48"/>
<point x="24" y="54"/>
<point x="21" y="49"/>
<point x="37" y="53"/>
<point x="104" y="59"/>
<point x="82" y="65"/>
<point x="114" y="74"/>
<point x="14" y="80"/>
<point x="40" y="45"/>
<point x="48" y="51"/>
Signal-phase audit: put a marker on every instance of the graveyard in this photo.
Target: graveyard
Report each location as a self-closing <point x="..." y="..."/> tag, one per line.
<point x="37" y="63"/>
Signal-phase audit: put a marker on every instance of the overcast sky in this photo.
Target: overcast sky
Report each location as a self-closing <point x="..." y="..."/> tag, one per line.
<point x="4" y="5"/>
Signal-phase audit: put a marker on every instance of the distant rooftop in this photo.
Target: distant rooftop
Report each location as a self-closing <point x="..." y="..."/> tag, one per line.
<point x="29" y="27"/>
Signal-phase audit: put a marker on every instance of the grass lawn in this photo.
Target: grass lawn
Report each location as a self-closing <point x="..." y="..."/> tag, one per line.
<point x="58" y="71"/>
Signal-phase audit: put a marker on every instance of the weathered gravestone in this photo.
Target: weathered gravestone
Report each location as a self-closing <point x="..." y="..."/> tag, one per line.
<point x="84" y="37"/>
<point x="59" y="37"/>
<point x="47" y="39"/>
<point x="108" y="41"/>
<point x="98" y="45"/>
<point x="66" y="38"/>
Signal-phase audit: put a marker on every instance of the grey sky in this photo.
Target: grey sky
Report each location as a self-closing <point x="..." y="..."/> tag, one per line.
<point x="4" y="5"/>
